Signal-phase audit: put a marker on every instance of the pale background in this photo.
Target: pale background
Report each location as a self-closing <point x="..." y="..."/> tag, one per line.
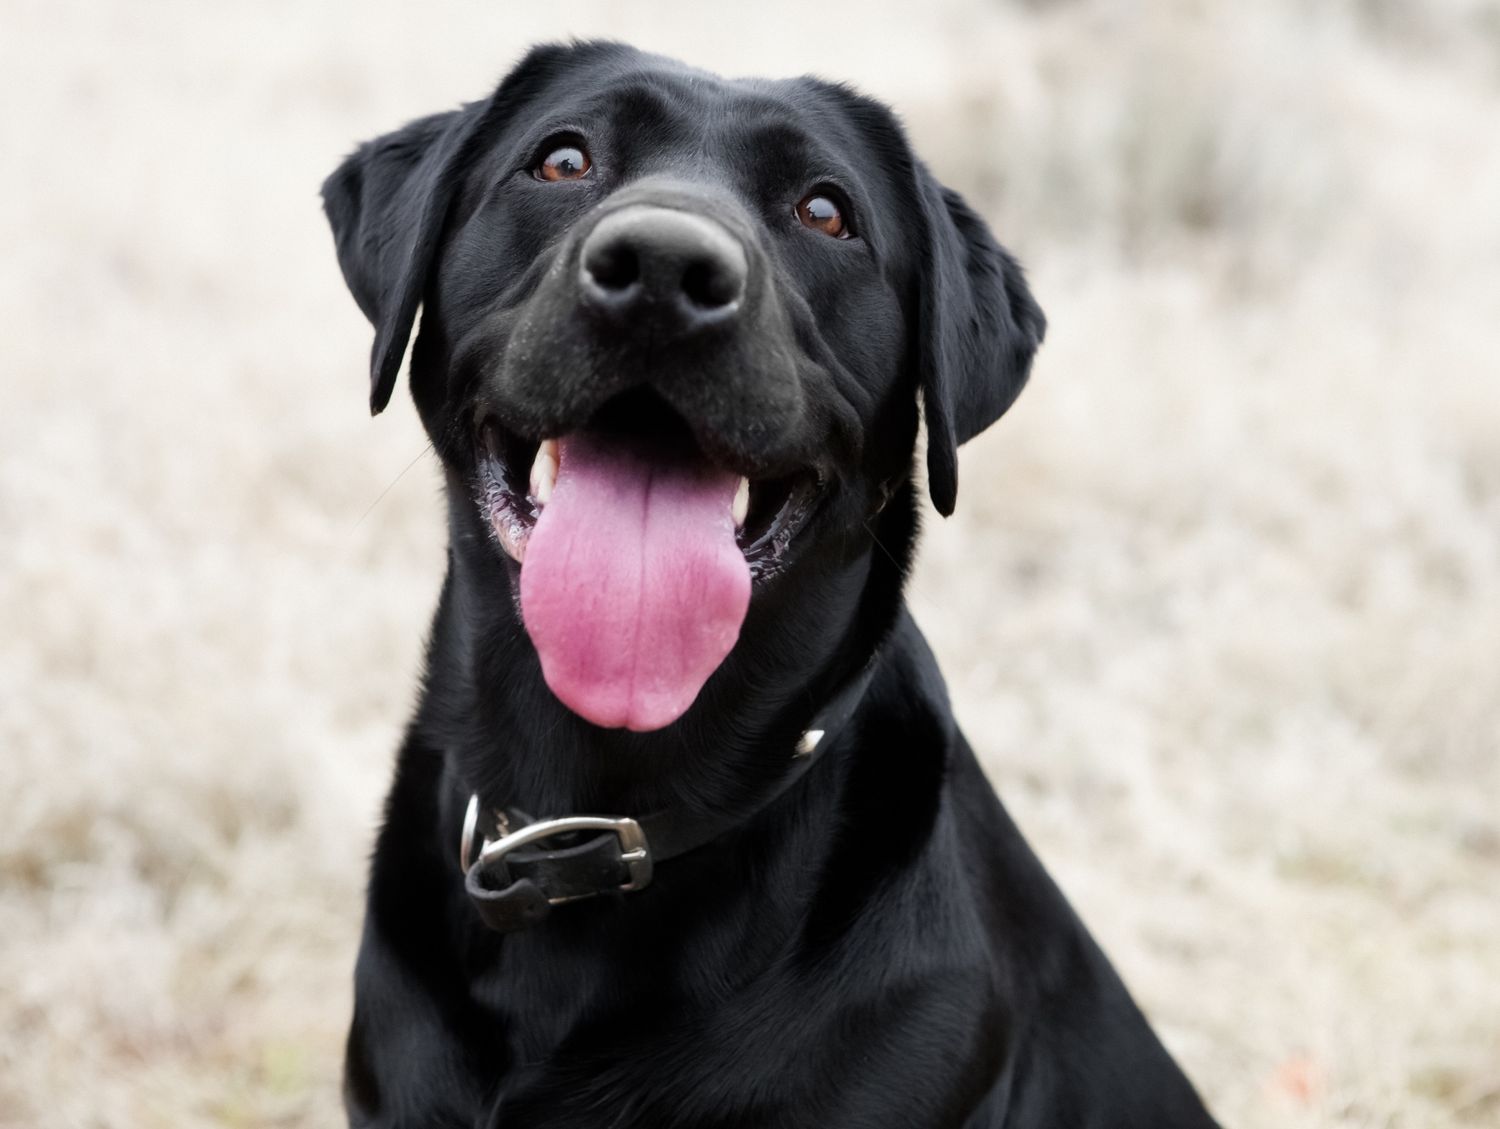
<point x="1220" y="608"/>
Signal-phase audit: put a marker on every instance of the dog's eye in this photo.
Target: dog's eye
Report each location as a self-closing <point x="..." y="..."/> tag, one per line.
<point x="566" y="162"/>
<point x="822" y="214"/>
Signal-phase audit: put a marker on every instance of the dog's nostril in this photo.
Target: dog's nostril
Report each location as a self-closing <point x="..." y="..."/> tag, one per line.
<point x="710" y="286"/>
<point x="614" y="264"/>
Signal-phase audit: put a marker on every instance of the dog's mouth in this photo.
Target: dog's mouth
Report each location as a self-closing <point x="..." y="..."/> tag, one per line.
<point x="637" y="555"/>
<point x="767" y="512"/>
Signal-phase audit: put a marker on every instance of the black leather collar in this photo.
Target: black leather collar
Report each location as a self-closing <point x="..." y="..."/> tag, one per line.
<point x="514" y="880"/>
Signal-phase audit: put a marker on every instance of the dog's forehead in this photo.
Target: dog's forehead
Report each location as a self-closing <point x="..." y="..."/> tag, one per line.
<point x="649" y="100"/>
<point x="642" y="114"/>
<point x="714" y="106"/>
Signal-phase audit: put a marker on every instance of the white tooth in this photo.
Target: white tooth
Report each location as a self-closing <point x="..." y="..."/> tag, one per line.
<point x="741" y="508"/>
<point x="544" y="471"/>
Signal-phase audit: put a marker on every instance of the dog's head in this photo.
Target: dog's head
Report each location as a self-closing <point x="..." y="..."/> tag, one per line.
<point x="674" y="333"/>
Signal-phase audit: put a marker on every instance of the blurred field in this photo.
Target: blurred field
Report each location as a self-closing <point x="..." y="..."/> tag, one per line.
<point x="1221" y="606"/>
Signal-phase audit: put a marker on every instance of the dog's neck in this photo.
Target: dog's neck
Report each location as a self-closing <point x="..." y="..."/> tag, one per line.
<point x="505" y="737"/>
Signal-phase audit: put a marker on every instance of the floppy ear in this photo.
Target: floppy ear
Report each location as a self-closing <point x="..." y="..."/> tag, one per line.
<point x="390" y="198"/>
<point x="979" y="329"/>
<point x="387" y="203"/>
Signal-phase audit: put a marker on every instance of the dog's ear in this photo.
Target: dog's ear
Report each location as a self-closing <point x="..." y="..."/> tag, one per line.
<point x="389" y="200"/>
<point x="387" y="203"/>
<point x="979" y="329"/>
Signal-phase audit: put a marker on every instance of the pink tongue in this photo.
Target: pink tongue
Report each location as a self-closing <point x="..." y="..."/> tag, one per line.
<point x="633" y="589"/>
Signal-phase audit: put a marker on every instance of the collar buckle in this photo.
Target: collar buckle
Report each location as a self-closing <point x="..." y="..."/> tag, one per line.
<point x="515" y="878"/>
<point x="635" y="853"/>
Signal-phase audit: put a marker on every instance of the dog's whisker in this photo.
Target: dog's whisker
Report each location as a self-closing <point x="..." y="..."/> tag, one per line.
<point x="427" y="449"/>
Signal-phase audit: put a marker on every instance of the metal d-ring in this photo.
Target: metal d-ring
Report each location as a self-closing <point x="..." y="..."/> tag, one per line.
<point x="466" y="837"/>
<point x="473" y="840"/>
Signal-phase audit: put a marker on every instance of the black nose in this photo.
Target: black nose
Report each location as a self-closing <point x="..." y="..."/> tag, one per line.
<point x="678" y="271"/>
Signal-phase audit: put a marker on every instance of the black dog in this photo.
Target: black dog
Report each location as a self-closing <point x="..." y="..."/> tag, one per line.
<point x="673" y="337"/>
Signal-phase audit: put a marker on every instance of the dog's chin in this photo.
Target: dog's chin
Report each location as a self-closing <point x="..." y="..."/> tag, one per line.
<point x="637" y="556"/>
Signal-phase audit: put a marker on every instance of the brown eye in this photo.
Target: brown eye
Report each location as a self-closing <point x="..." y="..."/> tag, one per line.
<point x="822" y="214"/>
<point x="566" y="162"/>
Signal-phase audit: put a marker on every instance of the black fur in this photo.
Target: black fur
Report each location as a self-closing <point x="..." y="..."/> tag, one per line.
<point x="877" y="948"/>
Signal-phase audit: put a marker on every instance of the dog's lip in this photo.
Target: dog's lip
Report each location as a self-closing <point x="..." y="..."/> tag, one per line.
<point x="502" y="493"/>
<point x="779" y="506"/>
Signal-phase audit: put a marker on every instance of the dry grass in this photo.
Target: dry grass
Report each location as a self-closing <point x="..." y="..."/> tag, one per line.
<point x="1221" y="607"/>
